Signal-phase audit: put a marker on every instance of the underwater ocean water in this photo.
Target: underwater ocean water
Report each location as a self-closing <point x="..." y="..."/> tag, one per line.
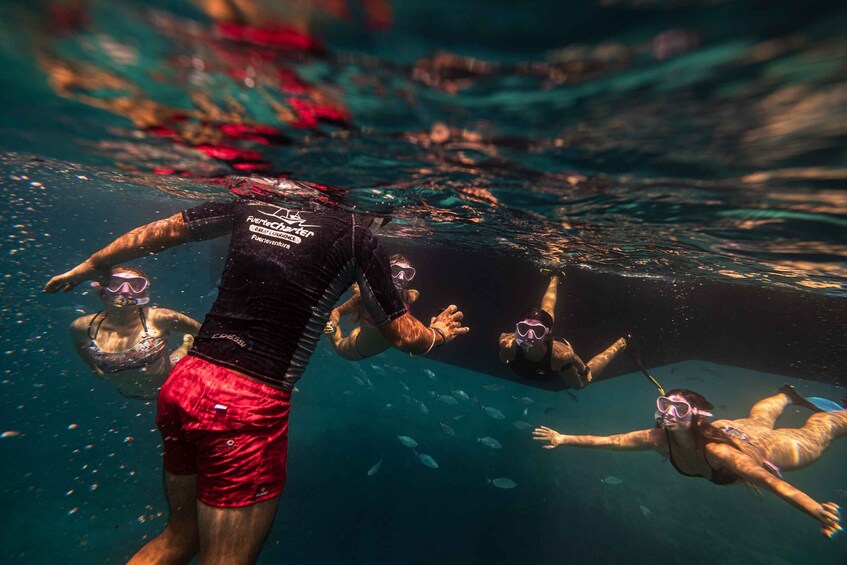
<point x="656" y="139"/>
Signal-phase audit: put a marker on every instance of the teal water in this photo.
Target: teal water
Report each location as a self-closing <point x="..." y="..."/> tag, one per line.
<point x="672" y="140"/>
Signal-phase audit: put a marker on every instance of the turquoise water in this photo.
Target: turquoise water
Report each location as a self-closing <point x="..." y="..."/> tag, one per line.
<point x="677" y="141"/>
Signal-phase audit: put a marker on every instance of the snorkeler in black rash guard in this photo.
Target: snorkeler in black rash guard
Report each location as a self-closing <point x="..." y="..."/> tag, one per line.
<point x="223" y="411"/>
<point x="534" y="354"/>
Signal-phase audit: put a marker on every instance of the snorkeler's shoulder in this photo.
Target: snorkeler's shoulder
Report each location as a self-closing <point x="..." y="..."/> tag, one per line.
<point x="506" y="339"/>
<point x="81" y="324"/>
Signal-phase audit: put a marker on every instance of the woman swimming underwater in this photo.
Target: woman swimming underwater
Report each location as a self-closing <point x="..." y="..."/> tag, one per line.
<point x="727" y="451"/>
<point x="366" y="340"/>
<point x="126" y="343"/>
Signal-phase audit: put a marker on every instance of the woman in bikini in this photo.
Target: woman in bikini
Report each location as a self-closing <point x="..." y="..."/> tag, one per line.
<point x="366" y="340"/>
<point x="534" y="354"/>
<point x="730" y="451"/>
<point x="126" y="343"/>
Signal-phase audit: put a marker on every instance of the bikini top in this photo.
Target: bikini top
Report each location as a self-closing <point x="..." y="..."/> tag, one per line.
<point x="142" y="354"/>
<point x="718" y="476"/>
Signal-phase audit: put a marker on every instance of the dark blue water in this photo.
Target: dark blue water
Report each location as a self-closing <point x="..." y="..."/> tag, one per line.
<point x="682" y="140"/>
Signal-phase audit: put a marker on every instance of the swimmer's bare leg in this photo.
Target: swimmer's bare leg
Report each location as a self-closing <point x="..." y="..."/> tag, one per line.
<point x="180" y="540"/>
<point x="766" y="411"/>
<point x="601" y="361"/>
<point x="793" y="449"/>
<point x="234" y="535"/>
<point x="548" y="302"/>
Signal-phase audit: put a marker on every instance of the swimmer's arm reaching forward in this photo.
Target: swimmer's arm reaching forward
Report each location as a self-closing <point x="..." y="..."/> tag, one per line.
<point x="828" y="514"/>
<point x="640" y="440"/>
<point x="150" y="238"/>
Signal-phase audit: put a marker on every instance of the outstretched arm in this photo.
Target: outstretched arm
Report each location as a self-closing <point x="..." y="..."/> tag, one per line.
<point x="640" y="440"/>
<point x="151" y="238"/>
<point x="828" y="514"/>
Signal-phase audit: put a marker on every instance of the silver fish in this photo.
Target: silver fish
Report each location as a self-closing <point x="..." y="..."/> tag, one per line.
<point x="407" y="441"/>
<point x="359" y="381"/>
<point x="432" y="393"/>
<point x="447" y="399"/>
<point x="646" y="512"/>
<point x="427" y="460"/>
<point x="611" y="480"/>
<point x="502" y="482"/>
<point x="494" y="413"/>
<point x="404" y="385"/>
<point x="375" y="469"/>
<point x="460" y="394"/>
<point x="378" y="370"/>
<point x="368" y="383"/>
<point x="407" y="398"/>
<point x="521" y="425"/>
<point x="423" y="408"/>
<point x="429" y="374"/>
<point x="489" y="442"/>
<point x="527" y="400"/>
<point x="525" y="412"/>
<point x="448" y="430"/>
<point x="493" y="387"/>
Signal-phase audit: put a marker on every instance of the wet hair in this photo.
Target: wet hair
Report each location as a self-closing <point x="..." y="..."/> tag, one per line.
<point x="398" y="258"/>
<point x="705" y="433"/>
<point x="540" y="315"/>
<point x="134" y="270"/>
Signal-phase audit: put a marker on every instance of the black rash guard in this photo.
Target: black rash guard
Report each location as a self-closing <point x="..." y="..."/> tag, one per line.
<point x="284" y="272"/>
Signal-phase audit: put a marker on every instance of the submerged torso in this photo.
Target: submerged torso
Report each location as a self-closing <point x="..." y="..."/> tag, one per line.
<point x="284" y="271"/>
<point x="136" y="362"/>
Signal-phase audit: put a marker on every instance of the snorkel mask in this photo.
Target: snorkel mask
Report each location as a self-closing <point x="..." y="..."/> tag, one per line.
<point x="674" y="411"/>
<point x="529" y="333"/>
<point x="126" y="289"/>
<point x="402" y="274"/>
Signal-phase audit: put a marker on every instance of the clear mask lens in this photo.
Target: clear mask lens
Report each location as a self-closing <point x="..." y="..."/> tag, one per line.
<point x="120" y="285"/>
<point x="403" y="272"/>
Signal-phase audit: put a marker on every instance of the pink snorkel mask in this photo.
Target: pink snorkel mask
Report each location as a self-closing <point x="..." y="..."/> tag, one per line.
<point x="676" y="408"/>
<point x="402" y="274"/>
<point x="125" y="289"/>
<point x="529" y="333"/>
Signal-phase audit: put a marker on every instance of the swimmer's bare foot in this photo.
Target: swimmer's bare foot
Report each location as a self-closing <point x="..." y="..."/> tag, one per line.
<point x="188" y="341"/>
<point x="796" y="399"/>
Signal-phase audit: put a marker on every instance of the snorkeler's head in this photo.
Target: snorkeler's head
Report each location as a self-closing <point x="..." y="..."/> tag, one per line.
<point x="402" y="271"/>
<point x="534" y="328"/>
<point x="126" y="286"/>
<point x="682" y="409"/>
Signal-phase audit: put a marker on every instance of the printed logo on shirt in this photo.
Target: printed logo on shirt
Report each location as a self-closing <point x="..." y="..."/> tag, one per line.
<point x="286" y="225"/>
<point x="231" y="337"/>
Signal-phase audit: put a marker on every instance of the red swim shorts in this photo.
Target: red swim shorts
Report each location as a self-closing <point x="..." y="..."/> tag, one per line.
<point x="229" y="430"/>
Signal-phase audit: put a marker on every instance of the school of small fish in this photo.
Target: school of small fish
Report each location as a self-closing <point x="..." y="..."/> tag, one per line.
<point x="450" y="398"/>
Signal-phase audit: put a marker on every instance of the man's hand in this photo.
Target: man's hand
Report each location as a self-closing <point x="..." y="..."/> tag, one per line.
<point x="448" y="324"/>
<point x="85" y="271"/>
